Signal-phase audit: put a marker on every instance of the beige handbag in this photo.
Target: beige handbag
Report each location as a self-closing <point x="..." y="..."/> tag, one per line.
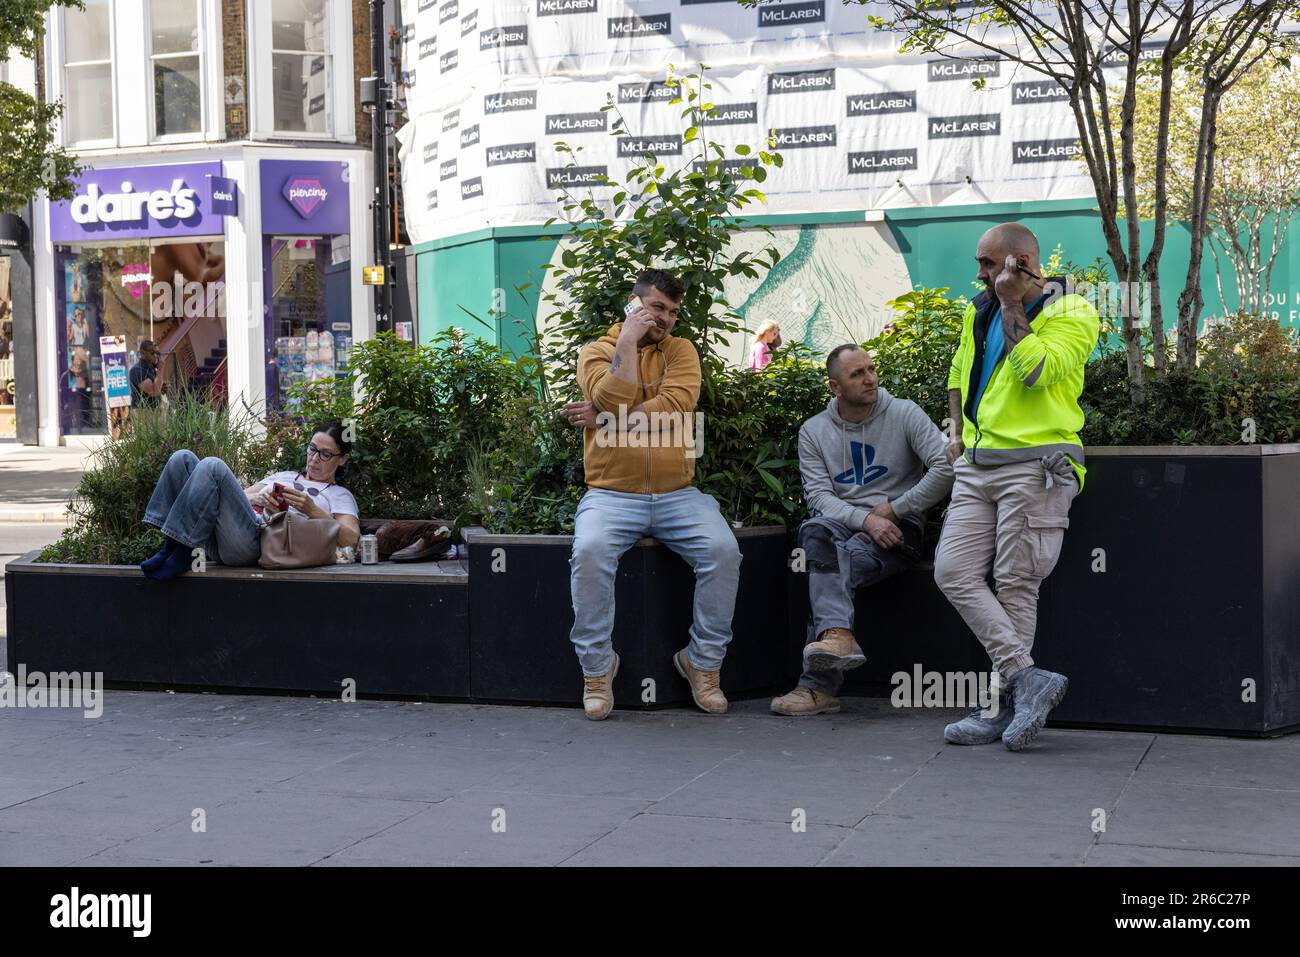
<point x="295" y="541"/>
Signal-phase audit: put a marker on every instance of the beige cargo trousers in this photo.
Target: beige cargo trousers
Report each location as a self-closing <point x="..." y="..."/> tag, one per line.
<point x="1009" y="519"/>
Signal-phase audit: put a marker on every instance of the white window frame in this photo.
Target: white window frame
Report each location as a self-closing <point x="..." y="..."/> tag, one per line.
<point x="207" y="51"/>
<point x="339" y="103"/>
<point x="59" y="76"/>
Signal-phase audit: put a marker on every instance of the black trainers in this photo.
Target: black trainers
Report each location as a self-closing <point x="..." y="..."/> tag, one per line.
<point x="1036" y="693"/>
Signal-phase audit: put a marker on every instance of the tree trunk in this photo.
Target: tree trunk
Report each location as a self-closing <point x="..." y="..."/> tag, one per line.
<point x="1191" y="299"/>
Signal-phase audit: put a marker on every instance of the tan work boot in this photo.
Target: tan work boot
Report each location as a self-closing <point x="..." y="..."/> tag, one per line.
<point x="598" y="693"/>
<point x="802" y="701"/>
<point x="834" y="650"/>
<point x="704" y="685"/>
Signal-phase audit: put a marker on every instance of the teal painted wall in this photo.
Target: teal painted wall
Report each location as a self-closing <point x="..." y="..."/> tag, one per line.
<point x="453" y="277"/>
<point x="938" y="246"/>
<point x="500" y="269"/>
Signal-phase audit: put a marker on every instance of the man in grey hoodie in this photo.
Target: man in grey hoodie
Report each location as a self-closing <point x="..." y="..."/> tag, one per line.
<point x="871" y="465"/>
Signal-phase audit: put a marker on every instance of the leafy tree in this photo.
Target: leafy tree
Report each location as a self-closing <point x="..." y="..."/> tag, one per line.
<point x="1256" y="179"/>
<point x="1071" y="42"/>
<point x="30" y="160"/>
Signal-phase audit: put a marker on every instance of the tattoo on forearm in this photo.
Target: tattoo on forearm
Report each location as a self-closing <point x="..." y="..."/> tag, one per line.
<point x="618" y="361"/>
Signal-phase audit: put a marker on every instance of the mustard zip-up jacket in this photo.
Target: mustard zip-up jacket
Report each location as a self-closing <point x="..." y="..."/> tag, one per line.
<point x="668" y="380"/>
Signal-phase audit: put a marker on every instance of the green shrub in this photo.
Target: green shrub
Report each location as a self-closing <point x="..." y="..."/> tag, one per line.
<point x="107" y="510"/>
<point x="914" y="352"/>
<point x="434" y="428"/>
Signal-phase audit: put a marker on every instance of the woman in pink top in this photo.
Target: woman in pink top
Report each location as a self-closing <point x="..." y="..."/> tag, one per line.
<point x="767" y="339"/>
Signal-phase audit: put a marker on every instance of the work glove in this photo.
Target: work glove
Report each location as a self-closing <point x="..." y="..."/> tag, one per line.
<point x="1057" y="467"/>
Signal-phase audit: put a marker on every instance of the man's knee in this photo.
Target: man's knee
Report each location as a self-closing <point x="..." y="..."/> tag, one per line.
<point x="818" y="544"/>
<point x="590" y="553"/>
<point x="951" y="574"/>
<point x="183" y="457"/>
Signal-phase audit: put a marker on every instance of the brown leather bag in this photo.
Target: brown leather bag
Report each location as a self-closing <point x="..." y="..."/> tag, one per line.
<point x="295" y="541"/>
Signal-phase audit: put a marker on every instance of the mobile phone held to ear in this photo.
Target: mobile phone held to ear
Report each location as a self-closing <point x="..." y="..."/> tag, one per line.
<point x="632" y="306"/>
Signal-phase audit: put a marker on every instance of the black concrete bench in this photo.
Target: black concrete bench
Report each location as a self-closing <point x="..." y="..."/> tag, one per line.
<point x="393" y="629"/>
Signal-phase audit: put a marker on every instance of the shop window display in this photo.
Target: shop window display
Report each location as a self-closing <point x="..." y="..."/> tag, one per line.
<point x="171" y="293"/>
<point x="309" y="328"/>
<point x="8" y="388"/>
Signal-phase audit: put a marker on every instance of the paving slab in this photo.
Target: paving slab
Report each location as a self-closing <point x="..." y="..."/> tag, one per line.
<point x="1131" y="855"/>
<point x="492" y="828"/>
<point x="1168" y="814"/>
<point x="271" y="828"/>
<point x="957" y="840"/>
<point x="661" y="840"/>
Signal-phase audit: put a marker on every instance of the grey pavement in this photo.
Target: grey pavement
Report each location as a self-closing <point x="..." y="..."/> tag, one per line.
<point x="36" y="484"/>
<point x="186" y="779"/>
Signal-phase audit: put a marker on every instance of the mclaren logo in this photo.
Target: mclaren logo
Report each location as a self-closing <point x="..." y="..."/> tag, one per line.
<point x="562" y="123"/>
<point x="1037" y="91"/>
<point x="963" y="69"/>
<point x="803" y="137"/>
<point x="503" y="37"/>
<point x="1045" y="151"/>
<point x="801" y="81"/>
<point x="469" y="136"/>
<point x="448" y="61"/>
<point x="870" y="104"/>
<point x="469" y="23"/>
<point x="431" y="201"/>
<point x="666" y="145"/>
<point x="471" y="188"/>
<point x="731" y="167"/>
<point x="570" y="176"/>
<point x="649" y="25"/>
<point x="882" y="161"/>
<point x="731" y="114"/>
<point x="978" y="124"/>
<point x="447" y="170"/>
<point x="449" y="11"/>
<point x="430" y="151"/>
<point x="554" y="8"/>
<point x="512" y="153"/>
<point x="428" y="47"/>
<point x="450" y="120"/>
<point x="656" y="91"/>
<point x="785" y="14"/>
<point x="510" y="102"/>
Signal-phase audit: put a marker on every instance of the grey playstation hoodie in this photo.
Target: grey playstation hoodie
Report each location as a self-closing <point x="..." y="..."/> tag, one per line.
<point x="895" y="455"/>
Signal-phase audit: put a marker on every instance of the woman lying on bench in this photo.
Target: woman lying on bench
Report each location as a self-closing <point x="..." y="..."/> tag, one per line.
<point x="201" y="505"/>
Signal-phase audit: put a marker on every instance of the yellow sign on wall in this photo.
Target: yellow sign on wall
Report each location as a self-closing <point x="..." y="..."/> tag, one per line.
<point x="372" y="275"/>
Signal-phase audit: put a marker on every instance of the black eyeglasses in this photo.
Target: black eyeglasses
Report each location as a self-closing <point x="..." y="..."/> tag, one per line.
<point x="322" y="455"/>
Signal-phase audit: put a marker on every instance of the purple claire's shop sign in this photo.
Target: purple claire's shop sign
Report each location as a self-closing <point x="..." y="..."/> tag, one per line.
<point x="138" y="202"/>
<point x="305" y="197"/>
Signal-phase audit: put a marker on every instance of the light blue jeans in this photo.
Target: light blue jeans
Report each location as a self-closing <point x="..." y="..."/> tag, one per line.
<point x="689" y="522"/>
<point x="202" y="505"/>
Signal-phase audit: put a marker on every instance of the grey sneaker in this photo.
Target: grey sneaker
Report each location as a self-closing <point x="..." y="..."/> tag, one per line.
<point x="975" y="728"/>
<point x="1036" y="693"/>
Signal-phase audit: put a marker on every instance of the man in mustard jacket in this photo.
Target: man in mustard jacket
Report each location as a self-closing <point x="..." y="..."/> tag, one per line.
<point x="640" y="442"/>
<point x="1014" y="386"/>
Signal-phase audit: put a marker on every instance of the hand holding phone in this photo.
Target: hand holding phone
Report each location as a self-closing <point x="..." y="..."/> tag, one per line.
<point x="638" y="321"/>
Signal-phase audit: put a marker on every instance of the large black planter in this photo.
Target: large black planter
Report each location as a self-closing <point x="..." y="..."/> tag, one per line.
<point x="520" y="619"/>
<point x="393" y="629"/>
<point x="1200" y="598"/>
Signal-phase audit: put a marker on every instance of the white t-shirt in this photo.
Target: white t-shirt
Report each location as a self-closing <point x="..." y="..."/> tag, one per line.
<point x="334" y="499"/>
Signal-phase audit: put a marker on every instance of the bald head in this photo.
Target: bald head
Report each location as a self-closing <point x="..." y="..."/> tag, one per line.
<point x="1012" y="239"/>
<point x="1003" y="240"/>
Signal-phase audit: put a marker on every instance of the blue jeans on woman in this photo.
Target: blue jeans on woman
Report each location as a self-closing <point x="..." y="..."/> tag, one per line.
<point x="690" y="523"/>
<point x="202" y="505"/>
